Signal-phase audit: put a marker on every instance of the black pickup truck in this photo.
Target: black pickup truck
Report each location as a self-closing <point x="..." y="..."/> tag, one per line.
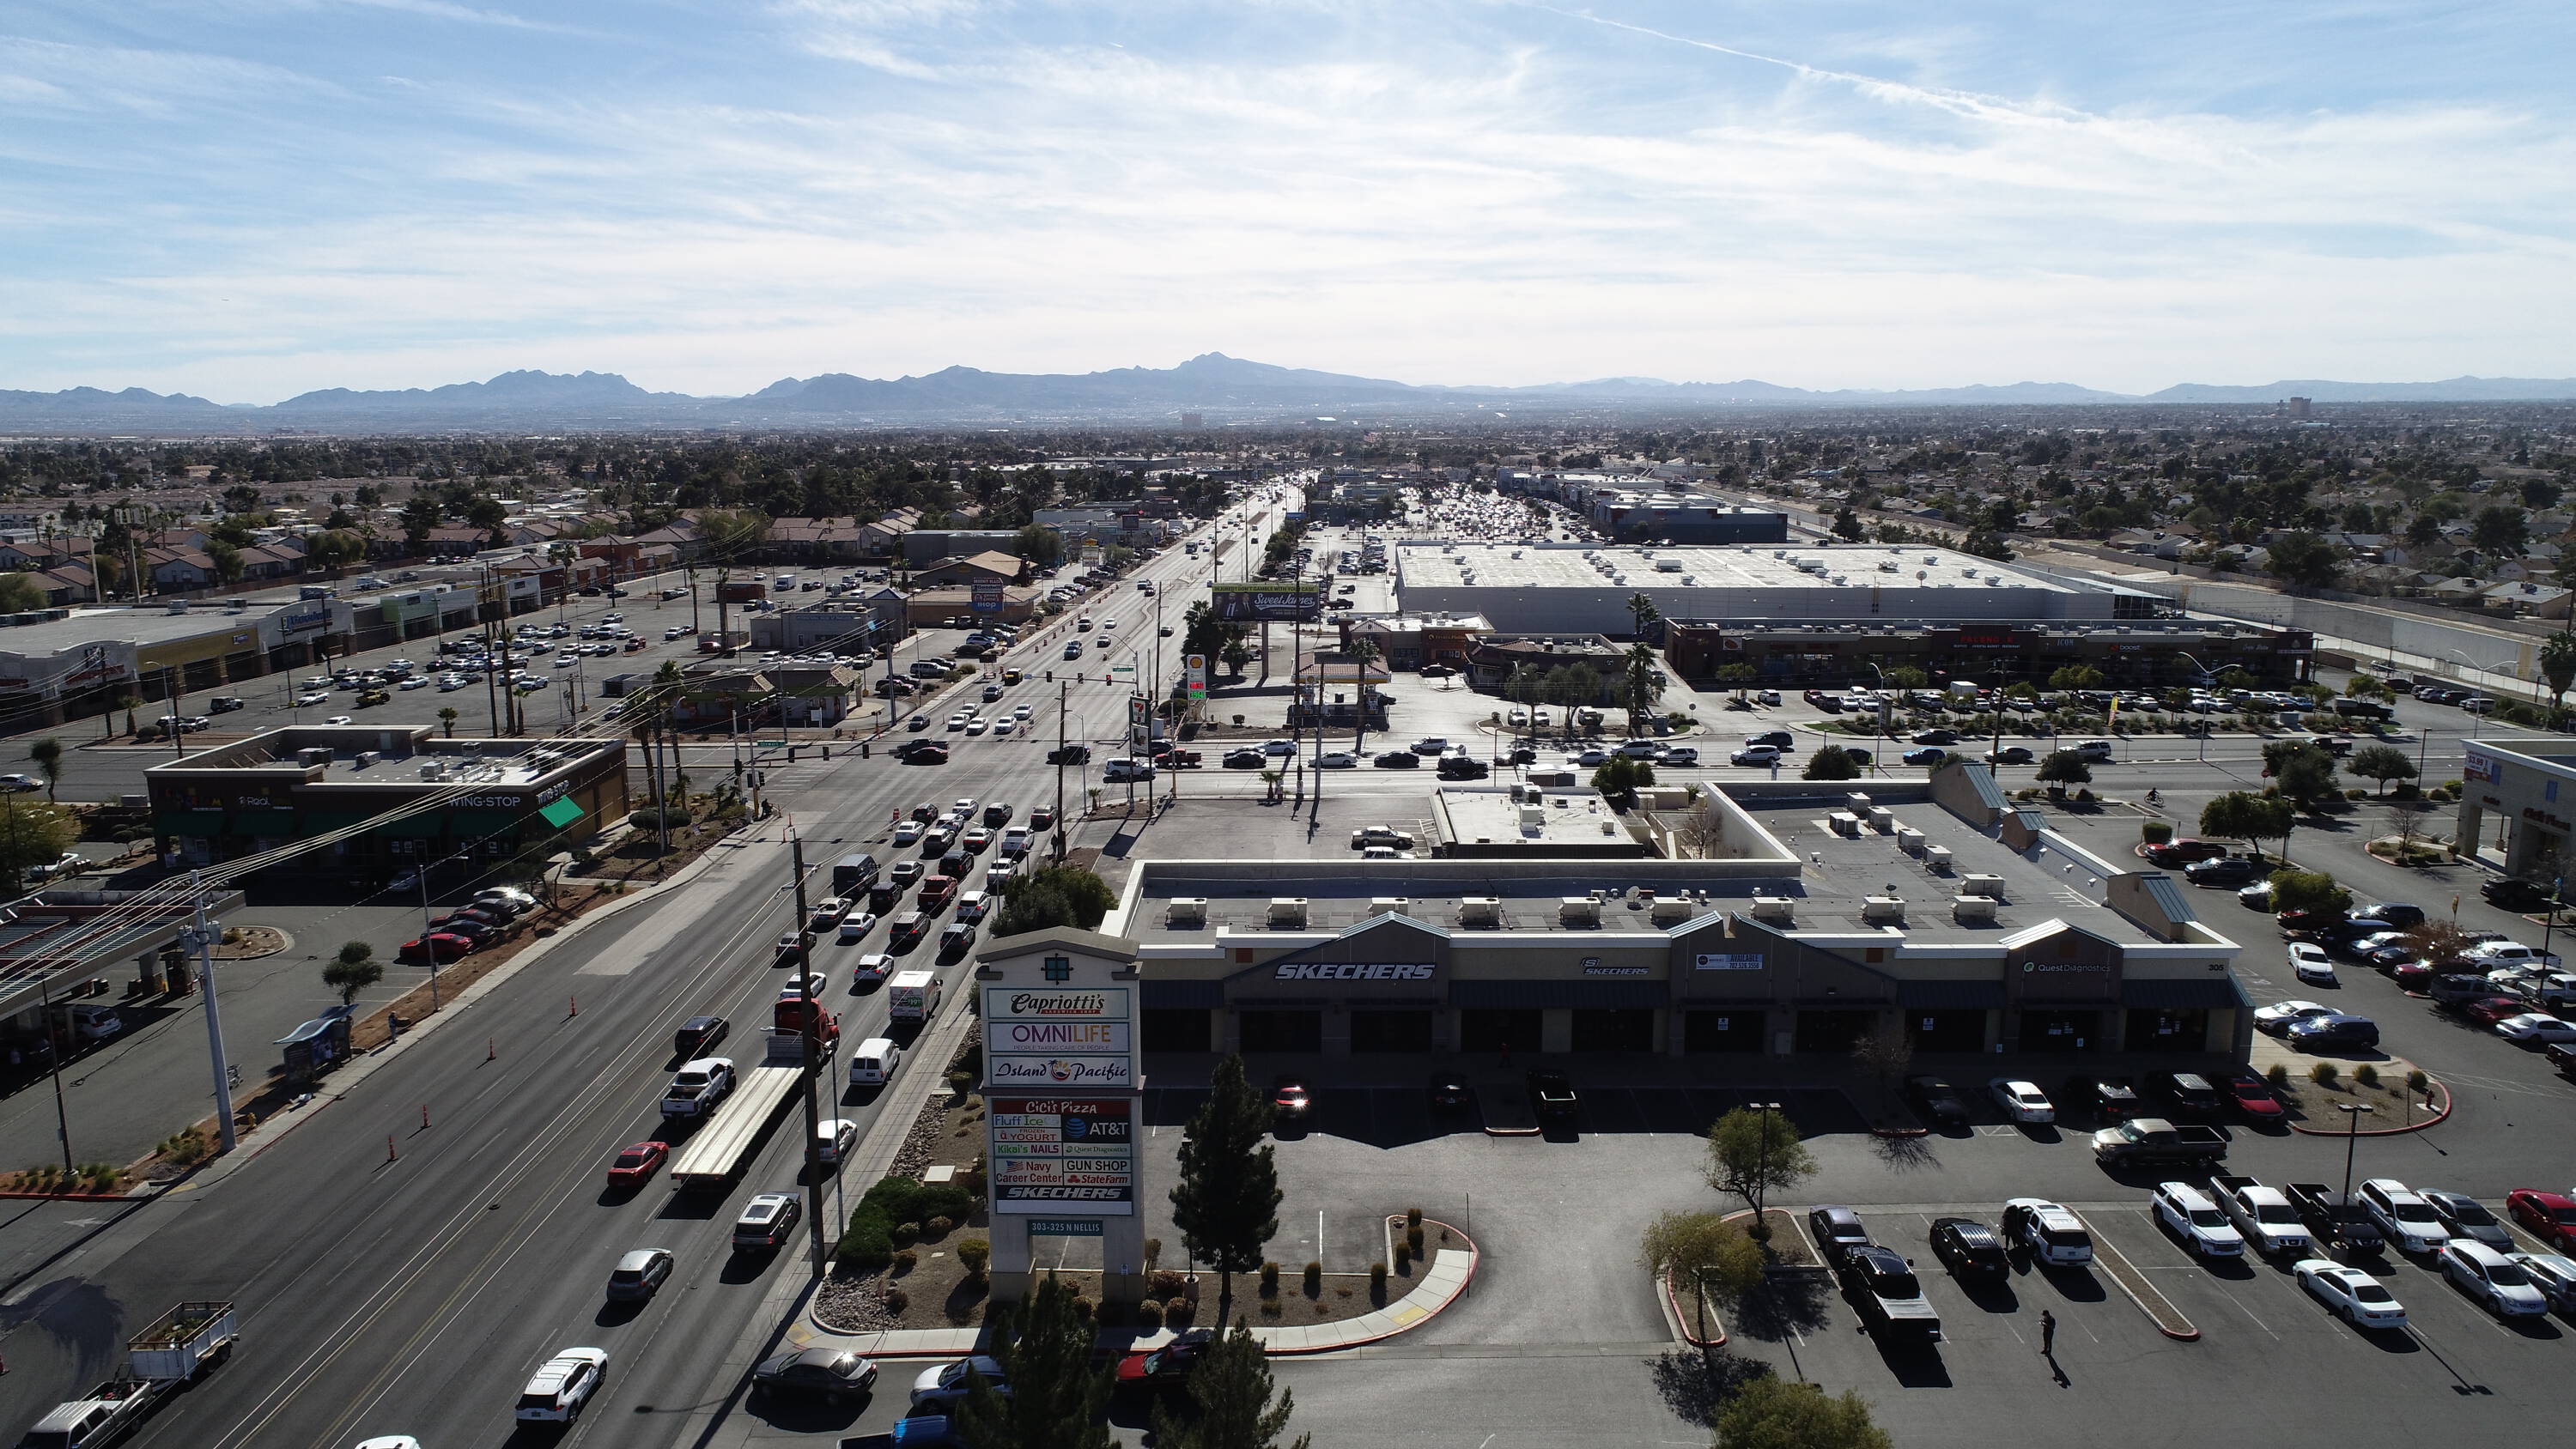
<point x="2338" y="1221"/>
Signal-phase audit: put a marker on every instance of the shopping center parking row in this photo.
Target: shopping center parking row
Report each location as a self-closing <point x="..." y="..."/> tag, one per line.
<point x="2259" y="1331"/>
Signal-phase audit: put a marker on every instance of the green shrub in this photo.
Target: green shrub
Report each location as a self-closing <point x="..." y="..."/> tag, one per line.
<point x="1403" y="1257"/>
<point x="2156" y="832"/>
<point x="2366" y="1074"/>
<point x="1149" y="1315"/>
<point x="2323" y="1074"/>
<point x="906" y="1260"/>
<point x="906" y="1234"/>
<point x="1413" y="1239"/>
<point x="1377" y="1279"/>
<point x="1413" y="1220"/>
<point x="1178" y="1311"/>
<point x="937" y="1228"/>
<point x="1269" y="1280"/>
<point x="2420" y="1084"/>
<point x="1314" y="1279"/>
<point x="1166" y="1283"/>
<point x="866" y="1245"/>
<point x="974" y="1253"/>
<point x="2279" y="1075"/>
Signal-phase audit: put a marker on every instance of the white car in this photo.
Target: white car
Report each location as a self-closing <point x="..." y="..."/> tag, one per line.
<point x="942" y="1386"/>
<point x="871" y="968"/>
<point x="449" y="683"/>
<point x="2280" y="1016"/>
<point x="1278" y="747"/>
<point x="908" y="833"/>
<point x="1590" y="758"/>
<point x="833" y="1137"/>
<point x="1003" y="726"/>
<point x="2189" y="1214"/>
<point x="1756" y="755"/>
<point x="562" y="1385"/>
<point x="313" y="696"/>
<point x="339" y="719"/>
<point x="2410" y="1222"/>
<point x="2493" y="1279"/>
<point x="978" y="726"/>
<point x="2349" y="1293"/>
<point x="2022" y="1101"/>
<point x="2311" y="964"/>
<point x="1337" y="760"/>
<point x="2533" y="1026"/>
<point x="415" y="682"/>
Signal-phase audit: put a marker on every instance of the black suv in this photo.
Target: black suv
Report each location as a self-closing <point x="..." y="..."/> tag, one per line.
<point x="1837" y="1231"/>
<point x="1552" y="1094"/>
<point x="1969" y="1249"/>
<point x="698" y="1035"/>
<point x="1937" y="1100"/>
<point x="2186" y="1094"/>
<point x="2515" y="895"/>
<point x="2234" y="870"/>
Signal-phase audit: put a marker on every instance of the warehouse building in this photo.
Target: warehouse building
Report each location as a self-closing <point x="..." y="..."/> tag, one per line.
<point x="1574" y="588"/>
<point x="65" y="664"/>
<point x="1818" y="918"/>
<point x="490" y="800"/>
<point x="2148" y="653"/>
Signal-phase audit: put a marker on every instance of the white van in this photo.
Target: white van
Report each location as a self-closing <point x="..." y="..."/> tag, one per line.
<point x="874" y="1062"/>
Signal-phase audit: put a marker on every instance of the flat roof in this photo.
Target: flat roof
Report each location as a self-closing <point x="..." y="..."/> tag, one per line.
<point x="1561" y="817"/>
<point x="401" y="752"/>
<point x="148" y="625"/>
<point x="1712" y="566"/>
<point x="1839" y="872"/>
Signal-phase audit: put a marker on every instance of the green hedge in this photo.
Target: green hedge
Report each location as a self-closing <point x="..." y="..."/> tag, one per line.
<point x="867" y="1244"/>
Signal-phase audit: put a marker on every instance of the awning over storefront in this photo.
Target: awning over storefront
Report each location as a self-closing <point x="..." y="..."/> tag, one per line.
<point x="1953" y="995"/>
<point x="2183" y="992"/>
<point x="1527" y="995"/>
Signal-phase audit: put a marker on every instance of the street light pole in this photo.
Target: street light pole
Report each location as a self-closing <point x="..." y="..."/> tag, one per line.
<point x="203" y="932"/>
<point x="2351" y="1137"/>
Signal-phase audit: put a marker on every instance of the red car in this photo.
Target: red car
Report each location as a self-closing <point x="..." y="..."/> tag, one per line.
<point x="2488" y="1010"/>
<point x="1290" y="1099"/>
<point x="2252" y="1096"/>
<point x="1164" y="1368"/>
<point x="2550" y="1216"/>
<point x="2413" y="976"/>
<point x="636" y="1165"/>
<point x="449" y="947"/>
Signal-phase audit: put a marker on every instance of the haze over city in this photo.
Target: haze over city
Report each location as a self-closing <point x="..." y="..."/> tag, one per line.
<point x="251" y="199"/>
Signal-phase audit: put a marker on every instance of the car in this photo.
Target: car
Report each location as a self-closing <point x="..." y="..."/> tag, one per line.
<point x="1278" y="747"/>
<point x="1552" y="1095"/>
<point x="2548" y="1216"/>
<point x="1969" y="1249"/>
<point x="768" y="1220"/>
<point x="2233" y="870"/>
<point x="2492" y="1278"/>
<point x="1450" y="1091"/>
<point x="2185" y="851"/>
<point x="2108" y="1099"/>
<point x="562" y="1385"/>
<point x="943" y="1386"/>
<point x="1936" y="737"/>
<point x="1681" y="755"/>
<point x="1928" y="755"/>
<point x="922" y="752"/>
<point x="2533" y="1028"/>
<point x="907" y="833"/>
<point x="639" y="1275"/>
<point x="2311" y="965"/>
<point x="1937" y="1101"/>
<point x="2186" y="1094"/>
<point x="2047" y="1231"/>
<point x="312" y="697"/>
<point x="1254" y="760"/>
<point x="1755" y="755"/>
<point x="1337" y="760"/>
<point x="1462" y="767"/>
<point x="1837" y="1231"/>
<point x="339" y="719"/>
<point x="2554" y="1274"/>
<point x="2252" y="1097"/>
<point x="636" y="1164"/>
<point x="2395" y="915"/>
<point x="443" y="945"/>
<point x="2187" y="1213"/>
<point x="2277" y="1018"/>
<point x="2493" y="1010"/>
<point x="2022" y="1101"/>
<point x="473" y="930"/>
<point x="2339" y="1029"/>
<point x="2401" y="1213"/>
<point x="2466" y="1217"/>
<point x="2009" y="755"/>
<point x="2515" y="895"/>
<point x="2349" y="1293"/>
<point x="1398" y="760"/>
<point x="1166" y="1368"/>
<point x="831" y="1374"/>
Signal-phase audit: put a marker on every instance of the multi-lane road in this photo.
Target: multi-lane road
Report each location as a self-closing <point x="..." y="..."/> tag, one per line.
<point x="401" y="1278"/>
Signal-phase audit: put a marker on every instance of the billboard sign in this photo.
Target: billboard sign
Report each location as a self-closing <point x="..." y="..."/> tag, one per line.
<point x="1049" y="1153"/>
<point x="1285" y="601"/>
<point x="986" y="597"/>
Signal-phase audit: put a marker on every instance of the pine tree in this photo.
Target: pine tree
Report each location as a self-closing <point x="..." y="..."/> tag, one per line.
<point x="1227" y="1201"/>
<point x="1057" y="1399"/>
<point x="1230" y="1391"/>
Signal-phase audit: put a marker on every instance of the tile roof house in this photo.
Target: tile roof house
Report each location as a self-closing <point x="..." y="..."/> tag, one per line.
<point x="179" y="568"/>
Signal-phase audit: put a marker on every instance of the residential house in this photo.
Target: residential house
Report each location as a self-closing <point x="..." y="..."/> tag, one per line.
<point x="2527" y="599"/>
<point x="455" y="540"/>
<point x="178" y="569"/>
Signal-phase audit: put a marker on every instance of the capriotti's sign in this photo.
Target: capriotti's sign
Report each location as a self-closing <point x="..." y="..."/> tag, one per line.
<point x="1037" y="1003"/>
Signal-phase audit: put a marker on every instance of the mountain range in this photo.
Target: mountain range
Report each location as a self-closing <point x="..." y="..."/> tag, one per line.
<point x="1212" y="384"/>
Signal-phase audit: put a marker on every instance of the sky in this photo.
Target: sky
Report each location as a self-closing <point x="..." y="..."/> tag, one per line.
<point x="245" y="199"/>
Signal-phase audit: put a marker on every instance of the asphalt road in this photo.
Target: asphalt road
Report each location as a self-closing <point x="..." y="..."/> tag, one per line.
<point x="414" y="1292"/>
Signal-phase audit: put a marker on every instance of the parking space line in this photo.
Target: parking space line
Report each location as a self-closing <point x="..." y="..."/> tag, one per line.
<point x="2241" y="1308"/>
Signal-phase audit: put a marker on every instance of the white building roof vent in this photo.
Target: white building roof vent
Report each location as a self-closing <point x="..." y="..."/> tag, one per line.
<point x="1578" y="911"/>
<point x="1480" y="910"/>
<point x="1390" y="905"/>
<point x="1287" y="913"/>
<point x="1186" y="913"/>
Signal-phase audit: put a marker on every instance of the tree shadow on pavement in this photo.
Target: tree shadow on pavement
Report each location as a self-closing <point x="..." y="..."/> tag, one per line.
<point x="1785" y="1304"/>
<point x="1696" y="1385"/>
<point x="1906" y="1154"/>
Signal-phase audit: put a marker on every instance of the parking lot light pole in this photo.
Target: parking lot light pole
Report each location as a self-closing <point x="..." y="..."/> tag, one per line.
<point x="2351" y="1137"/>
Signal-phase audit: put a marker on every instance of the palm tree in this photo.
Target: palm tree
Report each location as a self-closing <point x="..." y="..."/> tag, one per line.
<point x="1642" y="610"/>
<point x="48" y="755"/>
<point x="2558" y="666"/>
<point x="1645" y="682"/>
<point x="448" y="717"/>
<point x="1363" y="652"/>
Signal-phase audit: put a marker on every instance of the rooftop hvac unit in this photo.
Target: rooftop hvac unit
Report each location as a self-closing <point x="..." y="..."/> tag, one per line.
<point x="368" y="757"/>
<point x="312" y="755"/>
<point x="1287" y="913"/>
<point x="432" y="770"/>
<point x="1186" y="913"/>
<point x="1578" y="911"/>
<point x="1480" y="910"/>
<point x="1390" y="905"/>
<point x="1856" y="802"/>
<point x="1978" y="883"/>
<point x="1972" y="908"/>
<point x="1670" y="910"/>
<point x="1668" y="565"/>
<point x="1775" y="909"/>
<point x="1690" y="580"/>
<point x="1882" y="910"/>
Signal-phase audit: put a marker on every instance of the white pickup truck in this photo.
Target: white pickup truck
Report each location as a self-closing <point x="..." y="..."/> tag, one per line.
<point x="2509" y="953"/>
<point x="699" y="1088"/>
<point x="2262" y="1214"/>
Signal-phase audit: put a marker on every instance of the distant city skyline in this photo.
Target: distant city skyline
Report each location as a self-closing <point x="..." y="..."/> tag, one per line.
<point x="248" y="199"/>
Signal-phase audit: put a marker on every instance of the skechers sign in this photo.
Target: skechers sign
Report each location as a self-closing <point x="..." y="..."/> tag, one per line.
<point x="1354" y="971"/>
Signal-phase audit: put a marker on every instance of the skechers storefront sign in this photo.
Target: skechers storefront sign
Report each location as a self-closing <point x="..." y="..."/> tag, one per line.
<point x="1354" y="971"/>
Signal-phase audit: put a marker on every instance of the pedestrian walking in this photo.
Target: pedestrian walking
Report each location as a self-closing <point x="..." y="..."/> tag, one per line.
<point x="2047" y="1334"/>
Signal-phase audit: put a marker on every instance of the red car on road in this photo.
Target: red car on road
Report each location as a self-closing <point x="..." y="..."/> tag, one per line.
<point x="2252" y="1097"/>
<point x="2549" y="1216"/>
<point x="1167" y="1367"/>
<point x="636" y="1165"/>
<point x="448" y="948"/>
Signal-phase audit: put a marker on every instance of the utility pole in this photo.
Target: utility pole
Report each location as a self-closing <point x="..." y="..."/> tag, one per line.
<point x="1062" y="720"/>
<point x="813" y="1042"/>
<point x="204" y="932"/>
